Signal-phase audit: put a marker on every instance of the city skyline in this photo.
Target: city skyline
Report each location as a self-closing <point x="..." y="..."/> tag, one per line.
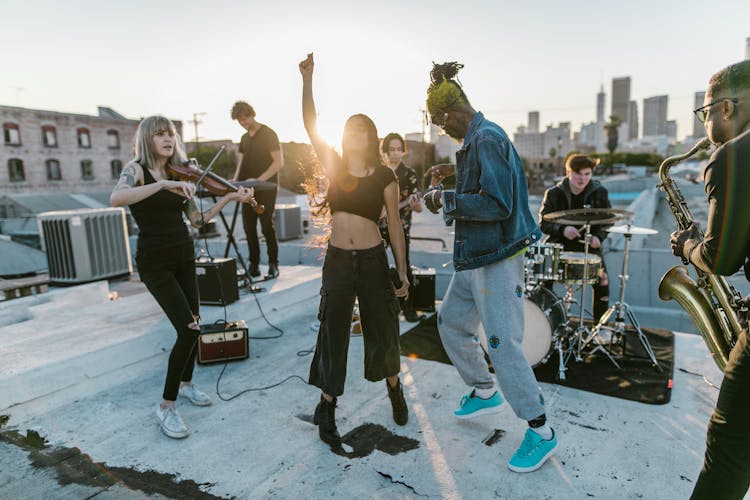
<point x="182" y="58"/>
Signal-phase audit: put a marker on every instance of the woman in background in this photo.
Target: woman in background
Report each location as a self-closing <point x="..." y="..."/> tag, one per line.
<point x="165" y="256"/>
<point x="394" y="150"/>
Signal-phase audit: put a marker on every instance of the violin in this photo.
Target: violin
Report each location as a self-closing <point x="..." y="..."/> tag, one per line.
<point x="215" y="184"/>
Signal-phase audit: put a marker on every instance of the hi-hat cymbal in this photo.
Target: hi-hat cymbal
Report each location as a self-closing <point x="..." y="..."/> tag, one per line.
<point x="628" y="229"/>
<point x="594" y="216"/>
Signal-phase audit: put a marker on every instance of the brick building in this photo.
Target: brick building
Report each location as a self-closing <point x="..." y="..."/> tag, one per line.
<point x="50" y="151"/>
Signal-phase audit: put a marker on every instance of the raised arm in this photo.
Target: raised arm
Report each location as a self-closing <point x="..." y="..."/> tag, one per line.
<point x="325" y="154"/>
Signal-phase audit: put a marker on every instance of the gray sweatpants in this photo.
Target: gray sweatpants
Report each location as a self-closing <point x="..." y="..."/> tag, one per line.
<point x="494" y="295"/>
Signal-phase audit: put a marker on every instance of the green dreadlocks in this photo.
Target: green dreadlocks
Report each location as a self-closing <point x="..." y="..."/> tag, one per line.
<point x="444" y="92"/>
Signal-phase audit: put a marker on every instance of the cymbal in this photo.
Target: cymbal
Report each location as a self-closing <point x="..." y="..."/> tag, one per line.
<point x="628" y="229"/>
<point x="594" y="216"/>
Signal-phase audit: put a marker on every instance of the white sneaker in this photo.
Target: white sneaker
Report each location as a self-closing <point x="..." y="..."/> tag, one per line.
<point x="171" y="422"/>
<point x="194" y="395"/>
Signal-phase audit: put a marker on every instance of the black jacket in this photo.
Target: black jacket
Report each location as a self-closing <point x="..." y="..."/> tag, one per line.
<point x="726" y="243"/>
<point x="558" y="198"/>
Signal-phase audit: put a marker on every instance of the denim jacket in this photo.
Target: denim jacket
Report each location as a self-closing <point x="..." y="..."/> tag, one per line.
<point x="490" y="205"/>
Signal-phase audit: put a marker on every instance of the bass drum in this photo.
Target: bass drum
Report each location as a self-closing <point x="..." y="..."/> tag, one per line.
<point x="544" y="313"/>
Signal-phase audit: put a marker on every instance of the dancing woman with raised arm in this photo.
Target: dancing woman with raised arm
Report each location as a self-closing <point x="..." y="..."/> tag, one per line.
<point x="165" y="255"/>
<point x="355" y="264"/>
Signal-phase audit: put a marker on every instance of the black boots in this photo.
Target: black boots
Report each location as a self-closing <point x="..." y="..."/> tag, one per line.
<point x="254" y="270"/>
<point x="273" y="270"/>
<point x="325" y="419"/>
<point x="396" y="394"/>
<point x="410" y="315"/>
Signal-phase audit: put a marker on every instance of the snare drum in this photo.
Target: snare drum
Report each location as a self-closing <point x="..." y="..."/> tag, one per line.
<point x="541" y="262"/>
<point x="571" y="268"/>
<point x="543" y="314"/>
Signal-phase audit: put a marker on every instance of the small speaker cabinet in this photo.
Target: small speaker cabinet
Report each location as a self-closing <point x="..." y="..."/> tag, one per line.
<point x="217" y="281"/>
<point x="423" y="289"/>
<point x="219" y="343"/>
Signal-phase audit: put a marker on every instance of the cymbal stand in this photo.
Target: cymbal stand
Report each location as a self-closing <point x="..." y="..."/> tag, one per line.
<point x="582" y="336"/>
<point x="621" y="309"/>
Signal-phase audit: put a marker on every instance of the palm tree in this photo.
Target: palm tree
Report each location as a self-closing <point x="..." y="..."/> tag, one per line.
<point x="612" y="136"/>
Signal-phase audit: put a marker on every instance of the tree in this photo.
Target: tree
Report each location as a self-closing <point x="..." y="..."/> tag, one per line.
<point x="225" y="165"/>
<point x="299" y="165"/>
<point x="612" y="136"/>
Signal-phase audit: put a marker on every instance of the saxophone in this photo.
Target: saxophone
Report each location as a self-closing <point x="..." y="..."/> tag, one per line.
<point x="711" y="302"/>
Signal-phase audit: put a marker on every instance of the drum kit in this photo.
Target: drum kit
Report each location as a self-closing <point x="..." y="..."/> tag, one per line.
<point x="548" y="327"/>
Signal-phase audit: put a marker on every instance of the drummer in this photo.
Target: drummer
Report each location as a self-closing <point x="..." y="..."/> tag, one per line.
<point x="577" y="190"/>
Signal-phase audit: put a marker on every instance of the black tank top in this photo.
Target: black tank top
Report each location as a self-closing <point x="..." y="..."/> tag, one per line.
<point x="163" y="234"/>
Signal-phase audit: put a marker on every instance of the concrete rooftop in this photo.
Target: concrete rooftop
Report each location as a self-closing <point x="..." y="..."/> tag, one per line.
<point x="86" y="372"/>
<point x="83" y="367"/>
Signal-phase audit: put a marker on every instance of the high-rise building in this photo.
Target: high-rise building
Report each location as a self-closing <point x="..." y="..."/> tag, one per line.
<point x="671" y="129"/>
<point x="533" y="121"/>
<point x="655" y="115"/>
<point x="747" y="48"/>
<point x="632" y="120"/>
<point x="620" y="97"/>
<point x="698" y="129"/>
<point x="600" y="98"/>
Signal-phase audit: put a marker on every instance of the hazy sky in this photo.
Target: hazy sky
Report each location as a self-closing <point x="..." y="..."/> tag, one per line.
<point x="181" y="57"/>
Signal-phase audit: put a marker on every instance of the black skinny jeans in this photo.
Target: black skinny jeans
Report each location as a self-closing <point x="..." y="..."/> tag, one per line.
<point x="267" y="198"/>
<point x="726" y="467"/>
<point x="174" y="287"/>
<point x="362" y="274"/>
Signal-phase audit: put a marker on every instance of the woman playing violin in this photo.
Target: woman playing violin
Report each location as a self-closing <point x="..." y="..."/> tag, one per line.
<point x="355" y="264"/>
<point x="165" y="256"/>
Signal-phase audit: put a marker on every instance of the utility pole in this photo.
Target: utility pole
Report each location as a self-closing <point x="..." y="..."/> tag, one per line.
<point x="423" y="147"/>
<point x="195" y="121"/>
<point x="18" y="95"/>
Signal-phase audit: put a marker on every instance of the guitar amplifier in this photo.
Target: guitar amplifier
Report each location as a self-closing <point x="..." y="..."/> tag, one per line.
<point x="221" y="342"/>
<point x="423" y="289"/>
<point x="217" y="281"/>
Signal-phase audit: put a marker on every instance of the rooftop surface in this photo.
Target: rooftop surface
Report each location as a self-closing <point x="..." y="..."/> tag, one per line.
<point x="83" y="370"/>
<point x="89" y="378"/>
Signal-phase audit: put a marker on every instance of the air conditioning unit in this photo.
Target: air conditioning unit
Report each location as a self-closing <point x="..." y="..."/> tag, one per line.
<point x="288" y="221"/>
<point x="84" y="245"/>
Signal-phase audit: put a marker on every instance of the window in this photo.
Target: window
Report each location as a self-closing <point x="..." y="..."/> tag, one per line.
<point x="53" y="170"/>
<point x="113" y="139"/>
<point x="15" y="170"/>
<point x="84" y="138"/>
<point x="116" y="168"/>
<point x="87" y="170"/>
<point x="49" y="136"/>
<point x="11" y="134"/>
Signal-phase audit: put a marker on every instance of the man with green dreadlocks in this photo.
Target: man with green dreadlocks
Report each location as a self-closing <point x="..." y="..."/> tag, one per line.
<point x="493" y="227"/>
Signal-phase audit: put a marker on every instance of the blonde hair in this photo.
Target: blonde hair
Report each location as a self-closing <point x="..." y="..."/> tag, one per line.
<point x="143" y="147"/>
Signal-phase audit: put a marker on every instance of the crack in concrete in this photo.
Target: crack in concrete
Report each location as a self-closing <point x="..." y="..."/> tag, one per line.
<point x="394" y="481"/>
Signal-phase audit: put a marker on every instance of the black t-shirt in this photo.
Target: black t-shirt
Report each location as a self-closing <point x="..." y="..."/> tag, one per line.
<point x="361" y="196"/>
<point x="163" y="234"/>
<point x="256" y="153"/>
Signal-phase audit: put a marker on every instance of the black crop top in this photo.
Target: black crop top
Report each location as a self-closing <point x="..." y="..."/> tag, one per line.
<point x="361" y="196"/>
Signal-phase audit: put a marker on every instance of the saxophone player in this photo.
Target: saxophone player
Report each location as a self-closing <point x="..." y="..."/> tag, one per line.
<point x="722" y="250"/>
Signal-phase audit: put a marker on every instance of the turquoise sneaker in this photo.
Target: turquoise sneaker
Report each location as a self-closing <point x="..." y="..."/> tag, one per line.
<point x="473" y="406"/>
<point x="533" y="452"/>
